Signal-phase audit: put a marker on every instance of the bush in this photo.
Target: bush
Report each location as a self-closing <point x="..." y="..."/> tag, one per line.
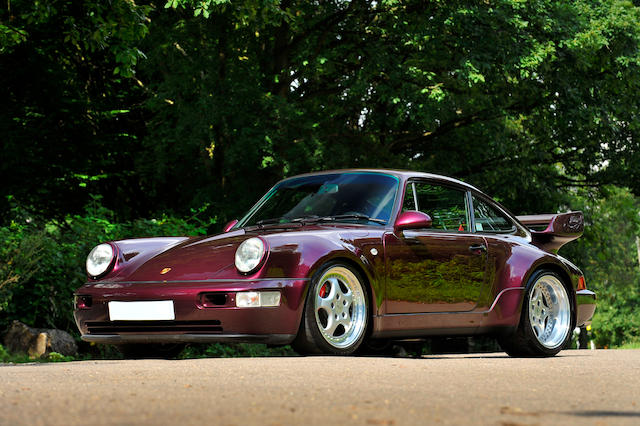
<point x="617" y="320"/>
<point x="42" y="261"/>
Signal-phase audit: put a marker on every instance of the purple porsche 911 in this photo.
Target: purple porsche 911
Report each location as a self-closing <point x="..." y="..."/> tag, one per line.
<point x="329" y="261"/>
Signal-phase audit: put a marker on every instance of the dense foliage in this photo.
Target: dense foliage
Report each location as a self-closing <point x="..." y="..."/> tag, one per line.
<point x="163" y="109"/>
<point x="609" y="255"/>
<point x="159" y="108"/>
<point x="42" y="263"/>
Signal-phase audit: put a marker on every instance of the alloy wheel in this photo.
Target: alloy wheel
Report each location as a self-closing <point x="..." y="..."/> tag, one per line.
<point x="340" y="307"/>
<point x="549" y="311"/>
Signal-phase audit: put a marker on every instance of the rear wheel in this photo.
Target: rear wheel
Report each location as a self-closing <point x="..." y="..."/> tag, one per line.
<point x="336" y="313"/>
<point x="546" y="321"/>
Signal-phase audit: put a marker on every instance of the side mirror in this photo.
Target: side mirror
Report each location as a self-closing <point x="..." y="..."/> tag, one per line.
<point x="230" y="225"/>
<point x="412" y="220"/>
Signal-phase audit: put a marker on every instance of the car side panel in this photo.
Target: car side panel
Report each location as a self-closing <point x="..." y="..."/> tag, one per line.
<point x="511" y="261"/>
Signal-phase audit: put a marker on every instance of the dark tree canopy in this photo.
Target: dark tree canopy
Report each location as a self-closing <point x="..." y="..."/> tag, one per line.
<point x="159" y="106"/>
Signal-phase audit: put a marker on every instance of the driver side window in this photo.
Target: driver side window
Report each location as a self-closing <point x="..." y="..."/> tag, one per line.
<point x="446" y="206"/>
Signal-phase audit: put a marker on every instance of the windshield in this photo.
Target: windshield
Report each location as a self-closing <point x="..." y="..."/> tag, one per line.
<point x="343" y="197"/>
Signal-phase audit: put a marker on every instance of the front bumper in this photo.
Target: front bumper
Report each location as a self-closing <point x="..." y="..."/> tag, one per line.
<point x="586" y="304"/>
<point x="204" y="312"/>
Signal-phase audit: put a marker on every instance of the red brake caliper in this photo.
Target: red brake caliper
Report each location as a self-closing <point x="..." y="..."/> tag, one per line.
<point x="323" y="291"/>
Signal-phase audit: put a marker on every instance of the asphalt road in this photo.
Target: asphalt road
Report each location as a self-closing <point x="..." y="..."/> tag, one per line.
<point x="577" y="387"/>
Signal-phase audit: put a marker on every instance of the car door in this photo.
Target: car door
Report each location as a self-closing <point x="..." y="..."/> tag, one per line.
<point x="436" y="269"/>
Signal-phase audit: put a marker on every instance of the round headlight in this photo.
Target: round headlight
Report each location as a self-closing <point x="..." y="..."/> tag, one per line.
<point x="99" y="260"/>
<point x="249" y="254"/>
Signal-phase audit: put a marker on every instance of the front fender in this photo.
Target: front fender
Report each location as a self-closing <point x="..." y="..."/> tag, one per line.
<point x="309" y="253"/>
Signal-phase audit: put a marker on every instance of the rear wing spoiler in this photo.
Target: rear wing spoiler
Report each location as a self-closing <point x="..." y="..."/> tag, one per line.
<point x="551" y="231"/>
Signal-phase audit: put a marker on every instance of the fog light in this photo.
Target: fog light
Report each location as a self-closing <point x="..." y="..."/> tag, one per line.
<point x="83" y="302"/>
<point x="270" y="298"/>
<point x="254" y="299"/>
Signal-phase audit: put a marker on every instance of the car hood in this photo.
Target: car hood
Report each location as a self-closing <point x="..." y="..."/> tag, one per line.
<point x="213" y="258"/>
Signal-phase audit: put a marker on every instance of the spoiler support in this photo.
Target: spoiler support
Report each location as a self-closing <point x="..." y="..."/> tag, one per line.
<point x="551" y="231"/>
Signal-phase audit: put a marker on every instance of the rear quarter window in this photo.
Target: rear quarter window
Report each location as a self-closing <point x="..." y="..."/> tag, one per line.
<point x="489" y="219"/>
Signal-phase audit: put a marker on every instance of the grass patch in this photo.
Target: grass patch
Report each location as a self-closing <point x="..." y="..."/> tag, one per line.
<point x="215" y="350"/>
<point x="630" y="345"/>
<point x="6" y="357"/>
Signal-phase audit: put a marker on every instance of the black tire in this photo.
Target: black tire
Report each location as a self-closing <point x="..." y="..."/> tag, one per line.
<point x="151" y="350"/>
<point x="336" y="313"/>
<point x="547" y="318"/>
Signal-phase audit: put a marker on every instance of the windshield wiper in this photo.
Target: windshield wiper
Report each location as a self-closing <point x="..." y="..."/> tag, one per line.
<point x="337" y="217"/>
<point x="269" y="221"/>
<point x="358" y="216"/>
<point x="312" y="218"/>
<point x="282" y="220"/>
<point x="277" y="222"/>
<point x="307" y="218"/>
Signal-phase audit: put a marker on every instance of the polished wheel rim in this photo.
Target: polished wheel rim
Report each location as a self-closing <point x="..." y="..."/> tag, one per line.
<point x="549" y="311"/>
<point x="340" y="307"/>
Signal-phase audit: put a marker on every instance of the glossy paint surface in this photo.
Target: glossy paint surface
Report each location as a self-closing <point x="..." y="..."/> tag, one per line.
<point x="434" y="272"/>
<point x="412" y="220"/>
<point x="556" y="229"/>
<point x="421" y="281"/>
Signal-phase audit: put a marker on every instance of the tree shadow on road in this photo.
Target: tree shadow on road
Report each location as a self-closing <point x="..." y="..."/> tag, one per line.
<point x="603" y="413"/>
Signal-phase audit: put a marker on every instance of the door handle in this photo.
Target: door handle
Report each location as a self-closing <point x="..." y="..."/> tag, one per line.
<point x="477" y="249"/>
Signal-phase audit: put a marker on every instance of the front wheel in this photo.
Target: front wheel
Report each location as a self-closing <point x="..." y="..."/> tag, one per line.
<point x="336" y="313"/>
<point x="546" y="321"/>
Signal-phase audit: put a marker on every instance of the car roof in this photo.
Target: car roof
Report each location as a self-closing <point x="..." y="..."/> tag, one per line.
<point x="401" y="174"/>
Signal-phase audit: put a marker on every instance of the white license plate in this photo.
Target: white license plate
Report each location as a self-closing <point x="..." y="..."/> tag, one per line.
<point x="142" y="311"/>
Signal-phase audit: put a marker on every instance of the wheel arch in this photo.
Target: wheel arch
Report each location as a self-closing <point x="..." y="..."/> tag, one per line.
<point x="522" y="341"/>
<point x="364" y="267"/>
<point x="302" y="342"/>
<point x="348" y="258"/>
<point x="566" y="279"/>
<point x="359" y="268"/>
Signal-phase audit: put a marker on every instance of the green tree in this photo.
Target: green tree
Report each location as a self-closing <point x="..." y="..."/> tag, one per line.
<point x="70" y="114"/>
<point x="515" y="97"/>
<point x="167" y="107"/>
<point x="608" y="255"/>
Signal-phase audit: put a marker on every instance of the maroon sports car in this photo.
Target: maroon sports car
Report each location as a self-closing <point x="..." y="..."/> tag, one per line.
<point x="327" y="261"/>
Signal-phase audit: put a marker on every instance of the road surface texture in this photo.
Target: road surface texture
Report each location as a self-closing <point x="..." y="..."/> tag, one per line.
<point x="576" y="387"/>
